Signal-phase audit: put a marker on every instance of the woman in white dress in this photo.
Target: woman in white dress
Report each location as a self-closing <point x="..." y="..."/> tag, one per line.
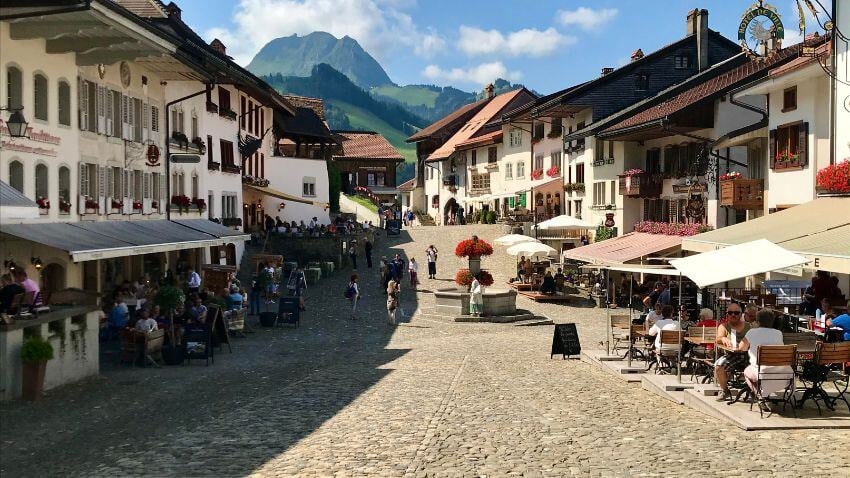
<point x="476" y="298"/>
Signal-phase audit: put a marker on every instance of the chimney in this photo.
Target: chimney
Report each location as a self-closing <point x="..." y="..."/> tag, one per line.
<point x="607" y="70"/>
<point x="697" y="24"/>
<point x="218" y="46"/>
<point x="173" y="10"/>
<point x="489" y="91"/>
<point x="637" y="54"/>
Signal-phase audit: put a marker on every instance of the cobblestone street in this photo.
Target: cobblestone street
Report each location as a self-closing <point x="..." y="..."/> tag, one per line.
<point x="427" y="398"/>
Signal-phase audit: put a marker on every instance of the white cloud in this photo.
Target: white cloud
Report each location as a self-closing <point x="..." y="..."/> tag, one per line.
<point x="478" y="75"/>
<point x="475" y="41"/>
<point x="586" y="18"/>
<point x="380" y="26"/>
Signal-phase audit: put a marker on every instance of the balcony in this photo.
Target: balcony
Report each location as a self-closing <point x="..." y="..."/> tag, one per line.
<point x="742" y="194"/>
<point x="641" y="185"/>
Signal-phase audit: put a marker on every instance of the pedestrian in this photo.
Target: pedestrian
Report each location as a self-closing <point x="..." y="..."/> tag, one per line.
<point x="393" y="292"/>
<point x="352" y="254"/>
<point x="476" y="298"/>
<point x="385" y="273"/>
<point x="352" y="293"/>
<point x="297" y="285"/>
<point x="431" y="254"/>
<point x="269" y="223"/>
<point x="398" y="268"/>
<point x="413" y="268"/>
<point x="368" y="250"/>
<point x="193" y="284"/>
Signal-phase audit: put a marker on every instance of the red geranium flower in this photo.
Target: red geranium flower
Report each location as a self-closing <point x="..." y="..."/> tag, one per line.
<point x="473" y="248"/>
<point x="835" y="178"/>
<point x="464" y="277"/>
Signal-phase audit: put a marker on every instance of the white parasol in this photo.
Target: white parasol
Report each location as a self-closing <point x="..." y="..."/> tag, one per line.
<point x="565" y="222"/>
<point x="512" y="239"/>
<point x="531" y="250"/>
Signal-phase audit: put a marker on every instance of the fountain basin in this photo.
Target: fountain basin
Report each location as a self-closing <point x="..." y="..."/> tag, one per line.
<point x="455" y="301"/>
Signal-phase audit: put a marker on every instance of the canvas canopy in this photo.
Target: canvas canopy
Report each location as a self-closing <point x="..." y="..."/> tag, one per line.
<point x="512" y="239"/>
<point x="565" y="222"/>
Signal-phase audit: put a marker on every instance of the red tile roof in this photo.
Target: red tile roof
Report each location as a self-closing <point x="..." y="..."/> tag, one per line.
<point x="408" y="185"/>
<point x="482" y="140"/>
<point x="708" y="89"/>
<point x="457" y="115"/>
<point x="365" y="145"/>
<point x="315" y="104"/>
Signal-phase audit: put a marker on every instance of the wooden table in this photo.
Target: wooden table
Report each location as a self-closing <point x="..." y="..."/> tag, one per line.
<point x="699" y="340"/>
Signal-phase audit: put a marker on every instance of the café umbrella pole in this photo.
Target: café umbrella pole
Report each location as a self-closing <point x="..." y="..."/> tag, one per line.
<point x="629" y="305"/>
<point x="679" y="361"/>
<point x="608" y="315"/>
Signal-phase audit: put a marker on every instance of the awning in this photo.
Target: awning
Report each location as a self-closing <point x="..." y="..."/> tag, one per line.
<point x="383" y="190"/>
<point x="14" y="205"/>
<point x="565" y="222"/>
<point x="265" y="190"/>
<point x="619" y="250"/>
<point x="212" y="228"/>
<point x="736" y="262"/>
<point x="819" y="230"/>
<point x="86" y="241"/>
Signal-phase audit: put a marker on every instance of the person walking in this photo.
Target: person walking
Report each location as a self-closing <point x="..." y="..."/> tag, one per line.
<point x="393" y="292"/>
<point x="352" y="254"/>
<point x="254" y="298"/>
<point x="431" y="254"/>
<point x="413" y="268"/>
<point x="385" y="273"/>
<point x="352" y="293"/>
<point x="476" y="298"/>
<point x="297" y="285"/>
<point x="368" y="251"/>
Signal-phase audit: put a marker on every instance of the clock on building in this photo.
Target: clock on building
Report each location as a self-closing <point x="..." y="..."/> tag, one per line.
<point x="125" y="74"/>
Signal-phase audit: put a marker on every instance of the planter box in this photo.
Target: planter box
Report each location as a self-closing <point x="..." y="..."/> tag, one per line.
<point x="742" y="194"/>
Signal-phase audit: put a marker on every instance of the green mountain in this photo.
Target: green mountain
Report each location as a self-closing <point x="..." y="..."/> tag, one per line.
<point x="296" y="56"/>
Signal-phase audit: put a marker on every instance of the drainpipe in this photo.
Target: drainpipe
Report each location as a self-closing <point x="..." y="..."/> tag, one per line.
<point x="207" y="88"/>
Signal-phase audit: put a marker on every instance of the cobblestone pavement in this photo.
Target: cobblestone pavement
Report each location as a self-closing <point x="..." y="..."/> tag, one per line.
<point x="427" y="398"/>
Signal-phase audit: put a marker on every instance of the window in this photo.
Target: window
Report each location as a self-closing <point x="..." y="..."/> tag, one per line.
<point x="789" y="146"/>
<point x="136" y="120"/>
<point x="308" y="187"/>
<point x="223" y="99"/>
<point x="599" y="198"/>
<point x="555" y="160"/>
<point x="515" y="138"/>
<point x="210" y="204"/>
<point x="641" y="82"/>
<point x="250" y="115"/>
<point x="682" y="62"/>
<point x="226" y="153"/>
<point x="64" y="95"/>
<point x="491" y="155"/>
<point x="195" y="126"/>
<point x="116" y="188"/>
<point x="509" y="171"/>
<point x="557" y="128"/>
<point x="14" y="88"/>
<point x="520" y="170"/>
<point x="538" y="130"/>
<point x="580" y="173"/>
<point x="16" y="176"/>
<point x="679" y="158"/>
<point x="653" y="161"/>
<point x="196" y="188"/>
<point x="86" y="103"/>
<point x="474" y="157"/>
<point x="138" y="190"/>
<point x="210" y="158"/>
<point x="789" y="99"/>
<point x="538" y="162"/>
<point x="88" y="180"/>
<point x="604" y="151"/>
<point x="41" y="190"/>
<point x="242" y="112"/>
<point x="64" y="183"/>
<point x="114" y="127"/>
<point x="40" y="97"/>
<point x="613" y="190"/>
<point x="156" y="186"/>
<point x="480" y="182"/>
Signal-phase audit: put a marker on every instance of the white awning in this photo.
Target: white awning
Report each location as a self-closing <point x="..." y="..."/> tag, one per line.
<point x="565" y="222"/>
<point x="736" y="262"/>
<point x="637" y="269"/>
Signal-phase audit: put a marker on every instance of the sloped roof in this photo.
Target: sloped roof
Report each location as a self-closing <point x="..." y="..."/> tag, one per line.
<point x="485" y="139"/>
<point x="365" y="145"/>
<point x="484" y="116"/>
<point x="709" y="89"/>
<point x="10" y="196"/>
<point x="408" y="185"/>
<point x="144" y="8"/>
<point x="457" y="115"/>
<point x="305" y="124"/>
<point x="315" y="104"/>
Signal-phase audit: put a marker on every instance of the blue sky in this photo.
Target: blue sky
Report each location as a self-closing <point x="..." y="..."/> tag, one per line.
<point x="546" y="45"/>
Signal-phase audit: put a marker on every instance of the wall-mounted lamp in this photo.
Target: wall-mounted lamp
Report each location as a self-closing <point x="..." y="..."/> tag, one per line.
<point x="36" y="261"/>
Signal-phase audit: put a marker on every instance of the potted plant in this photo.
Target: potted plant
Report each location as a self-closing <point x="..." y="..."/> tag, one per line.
<point x="537" y="174"/>
<point x="199" y="143"/>
<point x="168" y="299"/>
<point x="199" y="203"/>
<point x="91" y="205"/>
<point x="835" y="178"/>
<point x="732" y="175"/>
<point x="117" y="205"/>
<point x="43" y="204"/>
<point x="181" y="201"/>
<point x="473" y="249"/>
<point x="553" y="172"/>
<point x="464" y="277"/>
<point x="180" y="138"/>
<point x="64" y="206"/>
<point x="35" y="353"/>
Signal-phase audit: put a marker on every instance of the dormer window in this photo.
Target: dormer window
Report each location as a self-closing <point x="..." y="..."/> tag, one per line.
<point x="642" y="82"/>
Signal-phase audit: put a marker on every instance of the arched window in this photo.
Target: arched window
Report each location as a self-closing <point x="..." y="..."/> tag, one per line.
<point x="40" y="96"/>
<point x="64" y="103"/>
<point x="195" y="187"/>
<point x="14" y="88"/>
<point x="16" y="176"/>
<point x="41" y="190"/>
<point x="64" y="186"/>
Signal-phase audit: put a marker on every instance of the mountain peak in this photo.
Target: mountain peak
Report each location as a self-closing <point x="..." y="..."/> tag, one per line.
<point x="296" y="56"/>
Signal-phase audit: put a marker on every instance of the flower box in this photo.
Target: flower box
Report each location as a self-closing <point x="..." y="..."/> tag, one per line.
<point x="786" y="160"/>
<point x="553" y="172"/>
<point x="226" y="113"/>
<point x="64" y="206"/>
<point x="670" y="228"/>
<point x="43" y="205"/>
<point x="537" y="174"/>
<point x="742" y="194"/>
<point x="835" y="178"/>
<point x="636" y="183"/>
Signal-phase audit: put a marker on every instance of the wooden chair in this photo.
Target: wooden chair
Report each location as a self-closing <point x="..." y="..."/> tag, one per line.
<point x="15" y="306"/>
<point x="132" y="345"/>
<point x="775" y="356"/>
<point x="805" y="341"/>
<point x="669" y="353"/>
<point x="821" y="371"/>
<point x="639" y="333"/>
<point x="235" y="321"/>
<point x="620" y="325"/>
<point x="700" y="360"/>
<point x="153" y="346"/>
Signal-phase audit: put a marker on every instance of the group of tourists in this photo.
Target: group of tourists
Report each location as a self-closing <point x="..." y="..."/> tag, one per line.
<point x="17" y="292"/>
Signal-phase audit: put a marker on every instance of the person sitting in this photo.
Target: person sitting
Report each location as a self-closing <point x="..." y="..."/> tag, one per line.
<point x="706" y="318"/>
<point x="750" y="312"/>
<point x="520" y="269"/>
<point x="529" y="270"/>
<point x="548" y="285"/>
<point x="198" y="312"/>
<point x="729" y="333"/>
<point x="843" y="322"/>
<point x="653" y="316"/>
<point x="8" y="290"/>
<point x="779" y="375"/>
<point x="234" y="299"/>
<point x="146" y="323"/>
<point x="119" y="315"/>
<point x="560" y="279"/>
<point x="666" y="322"/>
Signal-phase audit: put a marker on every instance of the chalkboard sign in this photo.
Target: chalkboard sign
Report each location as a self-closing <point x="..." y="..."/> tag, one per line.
<point x="565" y="341"/>
<point x="197" y="341"/>
<point x="218" y="328"/>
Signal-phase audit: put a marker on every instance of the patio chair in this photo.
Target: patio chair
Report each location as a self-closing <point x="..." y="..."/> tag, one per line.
<point x="670" y="352"/>
<point x="774" y="356"/>
<point x="639" y="352"/>
<point x="620" y="331"/>
<point x="700" y="360"/>
<point x="803" y="341"/>
<point x="821" y="370"/>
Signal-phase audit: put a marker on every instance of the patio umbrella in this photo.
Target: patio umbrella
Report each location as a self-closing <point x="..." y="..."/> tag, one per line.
<point x="512" y="239"/>
<point x="565" y="222"/>
<point x="531" y="249"/>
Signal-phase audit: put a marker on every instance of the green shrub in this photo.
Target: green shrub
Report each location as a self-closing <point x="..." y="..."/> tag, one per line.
<point x="169" y="297"/>
<point x="491" y="217"/>
<point x="36" y="349"/>
<point x="603" y="233"/>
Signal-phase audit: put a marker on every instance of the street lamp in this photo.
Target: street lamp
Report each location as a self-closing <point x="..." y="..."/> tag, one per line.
<point x="16" y="123"/>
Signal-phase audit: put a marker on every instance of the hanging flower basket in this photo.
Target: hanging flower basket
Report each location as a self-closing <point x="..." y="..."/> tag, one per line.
<point x="835" y="178"/>
<point x="730" y="176"/>
<point x="473" y="248"/>
<point x="464" y="277"/>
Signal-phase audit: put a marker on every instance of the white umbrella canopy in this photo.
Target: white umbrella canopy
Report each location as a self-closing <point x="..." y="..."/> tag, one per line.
<point x="565" y="222"/>
<point x="512" y="239"/>
<point x="531" y="249"/>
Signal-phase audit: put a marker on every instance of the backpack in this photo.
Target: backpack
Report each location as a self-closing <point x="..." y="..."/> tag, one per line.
<point x="350" y="291"/>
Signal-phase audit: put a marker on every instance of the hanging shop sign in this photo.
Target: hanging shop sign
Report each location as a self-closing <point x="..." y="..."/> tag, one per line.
<point x="761" y="31"/>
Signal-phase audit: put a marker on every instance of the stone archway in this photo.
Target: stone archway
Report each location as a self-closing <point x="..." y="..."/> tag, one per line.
<point x="449" y="210"/>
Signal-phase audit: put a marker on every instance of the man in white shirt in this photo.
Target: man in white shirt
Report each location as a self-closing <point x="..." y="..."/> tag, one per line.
<point x="666" y="322"/>
<point x="194" y="282"/>
<point x="775" y="378"/>
<point x="653" y="316"/>
<point x="146" y="324"/>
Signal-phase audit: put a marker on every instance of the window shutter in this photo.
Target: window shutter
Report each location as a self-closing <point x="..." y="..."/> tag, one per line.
<point x="101" y="181"/>
<point x="772" y="136"/>
<point x="163" y="193"/>
<point x="110" y="183"/>
<point x="84" y="187"/>
<point x="100" y="107"/>
<point x="125" y="117"/>
<point x="803" y="144"/>
<point x="145" y="120"/>
<point x="82" y="104"/>
<point x="110" y="128"/>
<point x="146" y="188"/>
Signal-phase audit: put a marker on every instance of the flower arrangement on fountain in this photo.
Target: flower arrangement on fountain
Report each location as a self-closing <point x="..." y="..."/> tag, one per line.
<point x="464" y="277"/>
<point x="473" y="248"/>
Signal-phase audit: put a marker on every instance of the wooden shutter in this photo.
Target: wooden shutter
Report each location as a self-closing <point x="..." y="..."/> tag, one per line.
<point x="772" y="136"/>
<point x="101" y="188"/>
<point x="84" y="180"/>
<point x="803" y="144"/>
<point x="82" y="104"/>
<point x="100" y="108"/>
<point x="146" y="185"/>
<point x="146" y="111"/>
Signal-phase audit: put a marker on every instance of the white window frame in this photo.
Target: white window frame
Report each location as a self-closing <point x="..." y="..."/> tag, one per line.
<point x="308" y="186"/>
